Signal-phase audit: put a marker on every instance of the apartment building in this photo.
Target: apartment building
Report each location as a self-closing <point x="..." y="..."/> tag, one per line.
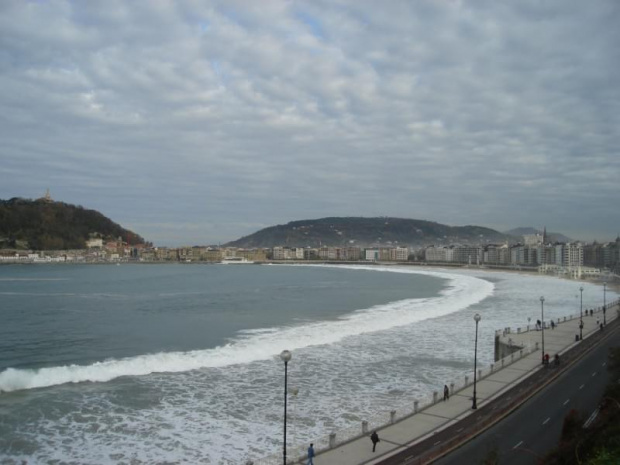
<point x="572" y="255"/>
<point x="399" y="254"/>
<point x="469" y="255"/>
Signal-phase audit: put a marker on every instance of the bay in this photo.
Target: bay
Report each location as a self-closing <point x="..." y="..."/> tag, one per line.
<point x="179" y="363"/>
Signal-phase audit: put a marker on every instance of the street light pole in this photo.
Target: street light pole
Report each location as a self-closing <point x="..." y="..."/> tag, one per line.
<point x="286" y="357"/>
<point x="604" y="303"/>
<point x="477" y="318"/>
<point x="581" y="314"/>
<point x="542" y="315"/>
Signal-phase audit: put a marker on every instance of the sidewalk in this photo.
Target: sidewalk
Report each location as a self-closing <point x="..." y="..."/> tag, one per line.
<point x="435" y="417"/>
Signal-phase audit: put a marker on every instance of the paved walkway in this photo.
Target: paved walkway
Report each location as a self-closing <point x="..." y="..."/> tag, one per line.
<point x="436" y="417"/>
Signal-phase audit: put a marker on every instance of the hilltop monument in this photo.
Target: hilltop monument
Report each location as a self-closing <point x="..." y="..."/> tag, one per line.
<point x="47" y="198"/>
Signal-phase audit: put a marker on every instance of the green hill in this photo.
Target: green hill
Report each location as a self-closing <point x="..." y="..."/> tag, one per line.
<point x="364" y="232"/>
<point x="49" y="225"/>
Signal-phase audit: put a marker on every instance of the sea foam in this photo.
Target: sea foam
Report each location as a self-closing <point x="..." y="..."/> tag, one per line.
<point x="253" y="345"/>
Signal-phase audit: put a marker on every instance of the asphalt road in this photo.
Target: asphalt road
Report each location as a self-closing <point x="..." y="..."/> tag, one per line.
<point x="535" y="427"/>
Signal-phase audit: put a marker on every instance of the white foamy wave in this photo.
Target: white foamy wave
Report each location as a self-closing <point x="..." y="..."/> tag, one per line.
<point x="263" y="344"/>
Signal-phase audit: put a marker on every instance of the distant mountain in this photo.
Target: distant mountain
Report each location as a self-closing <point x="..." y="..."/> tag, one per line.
<point x="47" y="225"/>
<point x="552" y="237"/>
<point x="365" y="232"/>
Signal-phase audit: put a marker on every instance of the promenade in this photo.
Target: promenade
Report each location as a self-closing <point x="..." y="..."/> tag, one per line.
<point x="428" y="420"/>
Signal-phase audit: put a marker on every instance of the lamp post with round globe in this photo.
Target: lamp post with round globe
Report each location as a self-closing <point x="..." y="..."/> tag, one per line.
<point x="581" y="314"/>
<point x="604" y="302"/>
<point x="477" y="318"/>
<point x="542" y="316"/>
<point x="285" y="356"/>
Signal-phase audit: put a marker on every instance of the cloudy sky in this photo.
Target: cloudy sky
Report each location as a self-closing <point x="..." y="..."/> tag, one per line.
<point x="197" y="122"/>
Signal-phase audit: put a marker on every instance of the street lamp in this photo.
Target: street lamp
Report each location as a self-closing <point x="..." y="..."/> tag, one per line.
<point x="477" y="318"/>
<point x="581" y="314"/>
<point x="604" y="303"/>
<point x="286" y="357"/>
<point x="542" y="315"/>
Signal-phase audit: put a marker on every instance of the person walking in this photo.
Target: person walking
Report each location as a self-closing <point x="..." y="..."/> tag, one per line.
<point x="311" y="454"/>
<point x="374" y="437"/>
<point x="446" y="392"/>
<point x="552" y="324"/>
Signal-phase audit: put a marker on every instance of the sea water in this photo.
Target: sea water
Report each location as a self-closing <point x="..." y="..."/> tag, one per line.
<point x="179" y="363"/>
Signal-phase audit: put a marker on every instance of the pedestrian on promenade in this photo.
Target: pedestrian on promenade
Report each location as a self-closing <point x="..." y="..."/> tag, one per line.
<point x="601" y="326"/>
<point x="591" y="312"/>
<point x="552" y="324"/>
<point x="537" y="325"/>
<point x="374" y="437"/>
<point x="311" y="454"/>
<point x="597" y="321"/>
<point x="556" y="360"/>
<point x="446" y="392"/>
<point x="546" y="359"/>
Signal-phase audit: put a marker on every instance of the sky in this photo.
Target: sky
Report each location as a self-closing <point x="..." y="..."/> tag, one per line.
<point x="198" y="122"/>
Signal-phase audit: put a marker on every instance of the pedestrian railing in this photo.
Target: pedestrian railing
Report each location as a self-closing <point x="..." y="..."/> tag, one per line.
<point x="297" y="453"/>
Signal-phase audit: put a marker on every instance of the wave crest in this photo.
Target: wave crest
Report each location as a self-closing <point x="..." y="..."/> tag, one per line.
<point x="262" y="344"/>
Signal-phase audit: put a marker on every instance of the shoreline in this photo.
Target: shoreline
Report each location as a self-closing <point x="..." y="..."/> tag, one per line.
<point x="612" y="280"/>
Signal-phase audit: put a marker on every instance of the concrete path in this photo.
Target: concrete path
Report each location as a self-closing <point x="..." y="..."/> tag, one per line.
<point x="438" y="416"/>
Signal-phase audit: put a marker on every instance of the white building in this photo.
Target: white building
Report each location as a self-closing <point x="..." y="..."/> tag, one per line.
<point x="372" y="255"/>
<point x="572" y="255"/>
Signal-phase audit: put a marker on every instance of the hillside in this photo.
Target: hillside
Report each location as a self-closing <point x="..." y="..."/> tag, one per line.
<point x="364" y="232"/>
<point x="49" y="225"/>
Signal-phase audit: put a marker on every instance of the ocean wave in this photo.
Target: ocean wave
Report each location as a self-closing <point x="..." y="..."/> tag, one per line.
<point x="263" y="344"/>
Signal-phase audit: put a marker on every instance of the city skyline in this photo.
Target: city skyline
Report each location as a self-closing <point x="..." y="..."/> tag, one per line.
<point x="193" y="123"/>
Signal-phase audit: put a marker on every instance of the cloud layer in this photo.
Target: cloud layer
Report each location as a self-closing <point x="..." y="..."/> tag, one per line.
<point x="197" y="122"/>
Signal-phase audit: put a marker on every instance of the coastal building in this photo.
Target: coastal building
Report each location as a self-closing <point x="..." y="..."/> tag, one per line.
<point x="255" y="255"/>
<point x="371" y="255"/>
<point x="532" y="240"/>
<point x="399" y="254"/>
<point x="437" y="254"/>
<point x="212" y="254"/>
<point x="496" y="255"/>
<point x="311" y="253"/>
<point x="572" y="255"/>
<point x="94" y="242"/>
<point x="328" y="253"/>
<point x="278" y="253"/>
<point x="351" y="253"/>
<point x="468" y="254"/>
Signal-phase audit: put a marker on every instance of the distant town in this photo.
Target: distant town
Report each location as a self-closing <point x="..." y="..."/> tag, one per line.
<point x="576" y="259"/>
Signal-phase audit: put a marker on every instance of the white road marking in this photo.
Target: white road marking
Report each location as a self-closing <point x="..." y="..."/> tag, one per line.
<point x="581" y="387"/>
<point x="436" y="443"/>
<point x="593" y="374"/>
<point x="566" y="401"/>
<point x="518" y="444"/>
<point x="459" y="430"/>
<point x="546" y="421"/>
<point x="591" y="419"/>
<point x="604" y="363"/>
